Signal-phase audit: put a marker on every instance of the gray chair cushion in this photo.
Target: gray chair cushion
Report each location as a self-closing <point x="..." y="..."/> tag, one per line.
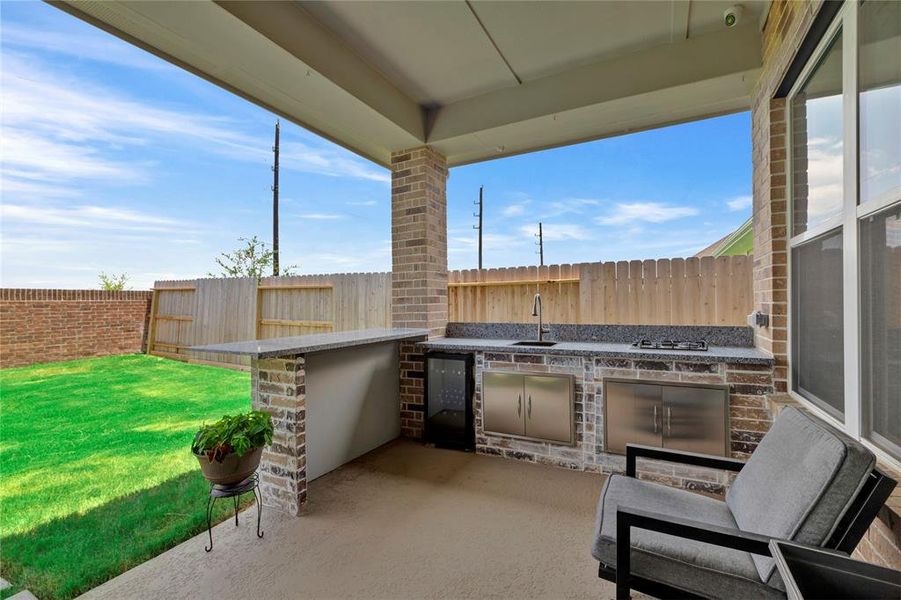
<point x="691" y="566"/>
<point x="798" y="483"/>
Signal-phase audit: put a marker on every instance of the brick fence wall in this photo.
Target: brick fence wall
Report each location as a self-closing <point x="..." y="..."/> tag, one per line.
<point x="50" y="325"/>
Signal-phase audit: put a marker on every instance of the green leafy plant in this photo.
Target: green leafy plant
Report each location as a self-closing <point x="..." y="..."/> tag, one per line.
<point x="253" y="259"/>
<point x="113" y="282"/>
<point x="239" y="434"/>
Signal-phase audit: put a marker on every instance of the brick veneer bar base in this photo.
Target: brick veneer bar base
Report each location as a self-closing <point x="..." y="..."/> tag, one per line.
<point x="412" y="390"/>
<point x="279" y="387"/>
<point x="749" y="417"/>
<point x="38" y="325"/>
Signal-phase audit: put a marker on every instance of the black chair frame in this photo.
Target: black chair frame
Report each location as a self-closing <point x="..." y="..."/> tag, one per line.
<point x="848" y="533"/>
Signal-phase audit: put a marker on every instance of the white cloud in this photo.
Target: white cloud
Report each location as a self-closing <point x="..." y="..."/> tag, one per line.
<point x="321" y="216"/>
<point x="97" y="47"/>
<point x="362" y="203"/>
<point x="740" y="203"/>
<point x="34" y="190"/>
<point x="824" y="176"/>
<point x="651" y="212"/>
<point x="458" y="242"/>
<point x="567" y="206"/>
<point x="59" y="128"/>
<point x="367" y="257"/>
<point x="32" y="157"/>
<point x="514" y="210"/>
<point x="555" y="232"/>
<point x="88" y="217"/>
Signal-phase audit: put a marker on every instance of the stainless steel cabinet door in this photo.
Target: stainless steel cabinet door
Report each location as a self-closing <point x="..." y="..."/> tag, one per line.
<point x="633" y="414"/>
<point x="694" y="419"/>
<point x="548" y="406"/>
<point x="503" y="403"/>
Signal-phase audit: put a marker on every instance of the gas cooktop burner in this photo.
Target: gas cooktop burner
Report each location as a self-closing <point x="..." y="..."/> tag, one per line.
<point x="671" y="345"/>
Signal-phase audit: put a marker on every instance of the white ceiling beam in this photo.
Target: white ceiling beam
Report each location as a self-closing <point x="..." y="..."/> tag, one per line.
<point x="296" y="31"/>
<point x="661" y="108"/>
<point x="668" y="66"/>
<point x="681" y="9"/>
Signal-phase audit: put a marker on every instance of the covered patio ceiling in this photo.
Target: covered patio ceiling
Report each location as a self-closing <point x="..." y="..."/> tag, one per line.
<point x="473" y="79"/>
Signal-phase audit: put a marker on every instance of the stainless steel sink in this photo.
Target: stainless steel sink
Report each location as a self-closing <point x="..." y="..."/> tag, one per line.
<point x="539" y="343"/>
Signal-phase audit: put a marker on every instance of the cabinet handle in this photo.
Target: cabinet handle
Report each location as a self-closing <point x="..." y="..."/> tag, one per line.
<point x="655" y="418"/>
<point x="669" y="420"/>
<point x="530" y="406"/>
<point x="519" y="406"/>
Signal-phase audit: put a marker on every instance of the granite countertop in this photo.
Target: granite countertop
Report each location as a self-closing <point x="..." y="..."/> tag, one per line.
<point x="317" y="342"/>
<point x="732" y="354"/>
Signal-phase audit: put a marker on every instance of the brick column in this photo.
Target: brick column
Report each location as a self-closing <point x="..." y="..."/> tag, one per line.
<point x="419" y="239"/>
<point x="419" y="266"/>
<point x="278" y="387"/>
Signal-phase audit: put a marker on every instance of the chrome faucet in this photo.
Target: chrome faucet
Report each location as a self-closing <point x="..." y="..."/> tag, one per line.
<point x="537" y="312"/>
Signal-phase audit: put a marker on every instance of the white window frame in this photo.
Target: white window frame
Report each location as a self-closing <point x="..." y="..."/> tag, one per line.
<point x="847" y="21"/>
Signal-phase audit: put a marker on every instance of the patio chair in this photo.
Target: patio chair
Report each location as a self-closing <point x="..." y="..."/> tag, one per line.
<point x="806" y="482"/>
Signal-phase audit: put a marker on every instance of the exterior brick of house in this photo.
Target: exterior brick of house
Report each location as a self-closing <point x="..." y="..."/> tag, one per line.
<point x="50" y="325"/>
<point x="787" y="25"/>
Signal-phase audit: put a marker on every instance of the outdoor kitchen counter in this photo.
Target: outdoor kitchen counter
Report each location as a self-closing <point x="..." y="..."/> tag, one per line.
<point x="720" y="354"/>
<point x="332" y="397"/>
<point x="306" y="344"/>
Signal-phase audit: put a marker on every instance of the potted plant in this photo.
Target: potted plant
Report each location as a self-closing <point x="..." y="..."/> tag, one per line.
<point x="229" y="450"/>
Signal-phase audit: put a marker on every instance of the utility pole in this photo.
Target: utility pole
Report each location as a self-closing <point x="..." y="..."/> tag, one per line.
<point x="275" y="204"/>
<point x="540" y="244"/>
<point x="479" y="226"/>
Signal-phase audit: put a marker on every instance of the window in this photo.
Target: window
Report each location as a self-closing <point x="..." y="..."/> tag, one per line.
<point x="817" y="155"/>
<point x="817" y="143"/>
<point x="880" y="101"/>
<point x="845" y="245"/>
<point x="880" y="286"/>
<point x="817" y="370"/>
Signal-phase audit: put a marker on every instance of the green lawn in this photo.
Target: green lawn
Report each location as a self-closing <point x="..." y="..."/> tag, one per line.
<point x="96" y="471"/>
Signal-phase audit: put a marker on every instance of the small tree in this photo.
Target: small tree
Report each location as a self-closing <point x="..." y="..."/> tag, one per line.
<point x="253" y="259"/>
<point x="113" y="283"/>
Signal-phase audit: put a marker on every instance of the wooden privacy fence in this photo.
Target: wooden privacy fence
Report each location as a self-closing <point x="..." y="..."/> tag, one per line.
<point x="208" y="311"/>
<point x="690" y="291"/>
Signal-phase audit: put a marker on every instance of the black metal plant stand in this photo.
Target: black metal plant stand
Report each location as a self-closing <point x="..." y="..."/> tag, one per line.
<point x="251" y="484"/>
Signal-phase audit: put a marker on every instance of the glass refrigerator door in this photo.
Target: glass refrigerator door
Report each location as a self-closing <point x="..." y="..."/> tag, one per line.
<point x="447" y="393"/>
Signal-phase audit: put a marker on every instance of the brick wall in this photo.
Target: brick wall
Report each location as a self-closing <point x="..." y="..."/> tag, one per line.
<point x="787" y="25"/>
<point x="50" y="325"/>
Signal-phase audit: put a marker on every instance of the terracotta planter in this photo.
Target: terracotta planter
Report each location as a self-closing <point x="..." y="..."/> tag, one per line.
<point x="232" y="469"/>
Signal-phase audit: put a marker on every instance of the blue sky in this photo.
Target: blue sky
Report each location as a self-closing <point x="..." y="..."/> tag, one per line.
<point x="113" y="160"/>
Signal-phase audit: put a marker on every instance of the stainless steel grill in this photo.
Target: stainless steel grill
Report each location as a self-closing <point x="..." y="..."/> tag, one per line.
<point x="699" y="346"/>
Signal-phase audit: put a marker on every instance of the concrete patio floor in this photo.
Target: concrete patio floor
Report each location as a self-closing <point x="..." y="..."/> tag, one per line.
<point x="405" y="521"/>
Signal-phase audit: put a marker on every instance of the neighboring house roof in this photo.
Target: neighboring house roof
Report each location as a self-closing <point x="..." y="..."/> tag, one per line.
<point x="739" y="242"/>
